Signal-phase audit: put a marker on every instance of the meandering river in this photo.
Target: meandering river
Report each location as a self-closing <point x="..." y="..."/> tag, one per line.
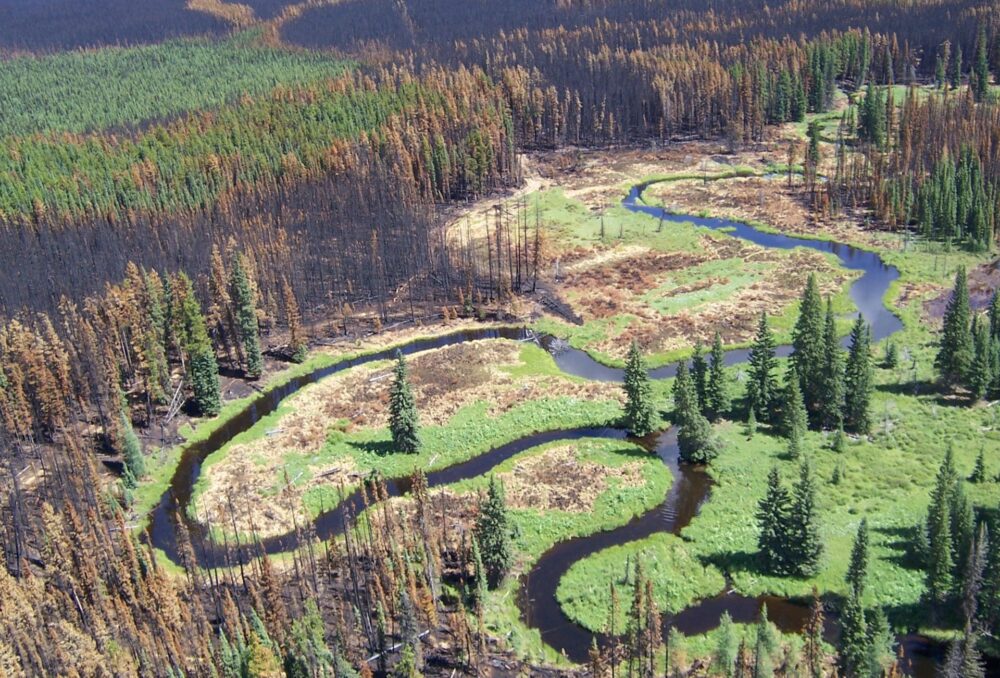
<point x="691" y="486"/>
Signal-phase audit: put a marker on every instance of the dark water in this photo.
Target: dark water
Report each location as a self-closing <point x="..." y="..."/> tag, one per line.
<point x="690" y="487"/>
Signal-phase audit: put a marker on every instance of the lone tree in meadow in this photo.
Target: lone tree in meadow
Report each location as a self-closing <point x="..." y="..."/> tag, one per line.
<point x="956" y="350"/>
<point x="639" y="394"/>
<point x="858" y="379"/>
<point x="772" y="521"/>
<point x="717" y="391"/>
<point x="762" y="387"/>
<point x="403" y="420"/>
<point x="246" y="317"/>
<point x="857" y="570"/>
<point x="492" y="533"/>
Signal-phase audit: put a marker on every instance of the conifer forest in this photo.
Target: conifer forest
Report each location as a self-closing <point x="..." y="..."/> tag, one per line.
<point x="583" y="338"/>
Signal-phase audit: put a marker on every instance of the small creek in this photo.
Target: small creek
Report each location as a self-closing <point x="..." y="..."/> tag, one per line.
<point x="690" y="488"/>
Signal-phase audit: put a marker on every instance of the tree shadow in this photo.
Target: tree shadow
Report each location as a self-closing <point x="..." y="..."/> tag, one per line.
<point x="730" y="562"/>
<point x="381" y="448"/>
<point x="925" y="388"/>
<point x="903" y="541"/>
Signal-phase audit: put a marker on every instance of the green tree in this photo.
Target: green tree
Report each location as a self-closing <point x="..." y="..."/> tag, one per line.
<point x="492" y="532"/>
<point x="697" y="441"/>
<point x="880" y="641"/>
<point x="979" y="471"/>
<point x="857" y="570"/>
<point x="813" y="634"/>
<point x="762" y="388"/>
<point x="805" y="545"/>
<point x="246" y="317"/>
<point x="638" y="393"/>
<point x="765" y="647"/>
<point x="203" y="371"/>
<point x="939" y="540"/>
<point x="980" y="80"/>
<point x="955" y="71"/>
<point x="858" y="379"/>
<point x="699" y="376"/>
<point x="871" y="118"/>
<point x="793" y="410"/>
<point x="685" y="395"/>
<point x="132" y="456"/>
<point x="831" y="388"/>
<point x="981" y="370"/>
<point x="772" y="522"/>
<point x="726" y="646"/>
<point x="955" y="354"/>
<point x="308" y="654"/>
<point x="808" y="354"/>
<point x="718" y="383"/>
<point x="403" y="419"/>
<point x="891" y="361"/>
<point x="855" y="648"/>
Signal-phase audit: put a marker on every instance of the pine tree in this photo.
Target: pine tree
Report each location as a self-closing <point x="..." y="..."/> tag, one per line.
<point x="891" y="361"/>
<point x="765" y="647"/>
<point x="685" y="396"/>
<point x="980" y="79"/>
<point x="955" y="71"/>
<point x="246" y="317"/>
<point x="808" y="344"/>
<point x="699" y="376"/>
<point x="203" y="371"/>
<point x="857" y="571"/>
<point x="492" y="532"/>
<point x="697" y="441"/>
<point x="762" y="388"/>
<point x="403" y="419"/>
<point x="132" y="456"/>
<point x="955" y="353"/>
<point x="639" y="395"/>
<point x="831" y="389"/>
<point x="718" y="384"/>
<point x="726" y="647"/>
<point x="880" y="641"/>
<point x="751" y="425"/>
<point x="939" y="539"/>
<point x="858" y="379"/>
<point x="981" y="370"/>
<point x="772" y="520"/>
<point x="854" y="641"/>
<point x="795" y="418"/>
<point x="805" y="546"/>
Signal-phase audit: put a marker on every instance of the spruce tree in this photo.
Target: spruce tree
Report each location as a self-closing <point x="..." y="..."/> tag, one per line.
<point x="638" y="393"/>
<point x="726" y="647"/>
<point x="956" y="350"/>
<point x="979" y="471"/>
<point x="805" y="544"/>
<point x="403" y="420"/>
<point x="807" y="344"/>
<point x="858" y="379"/>
<point x="246" y="317"/>
<point x="891" y="361"/>
<point x="699" y="376"/>
<point x="831" y="403"/>
<point x="795" y="418"/>
<point x="981" y="370"/>
<point x="492" y="532"/>
<point x="203" y="371"/>
<point x="880" y="641"/>
<point x="718" y="385"/>
<point x="762" y="388"/>
<point x="857" y="570"/>
<point x="772" y="520"/>
<point x="980" y="80"/>
<point x="765" y="647"/>
<point x="854" y="641"/>
<point x="685" y="396"/>
<point x="696" y="440"/>
<point x="939" y="540"/>
<point x="132" y="456"/>
<point x="955" y="71"/>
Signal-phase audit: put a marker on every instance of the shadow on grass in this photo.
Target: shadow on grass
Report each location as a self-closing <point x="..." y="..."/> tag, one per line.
<point x="925" y="388"/>
<point x="381" y="448"/>
<point x="730" y="562"/>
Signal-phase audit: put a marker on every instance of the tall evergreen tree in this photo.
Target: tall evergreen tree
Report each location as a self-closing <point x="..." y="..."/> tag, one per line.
<point x="696" y="440"/>
<point x="726" y="647"/>
<point x="981" y="370"/>
<point x="772" y="521"/>
<point x="638" y="393"/>
<point x="831" y="403"/>
<point x="980" y="80"/>
<point x="880" y="642"/>
<point x="805" y="544"/>
<point x="955" y="71"/>
<point x="699" y="376"/>
<point x="808" y="345"/>
<point x="403" y="419"/>
<point x="955" y="353"/>
<point x="795" y="418"/>
<point x="762" y="387"/>
<point x="858" y="379"/>
<point x="765" y="647"/>
<point x="492" y="532"/>
<point x="939" y="539"/>
<point x="685" y="395"/>
<point x="857" y="571"/>
<point x="854" y="641"/>
<point x="203" y="371"/>
<point x="246" y="317"/>
<point x="813" y="633"/>
<point x="718" y="384"/>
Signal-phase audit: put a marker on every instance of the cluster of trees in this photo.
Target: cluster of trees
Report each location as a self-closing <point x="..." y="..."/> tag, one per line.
<point x="789" y="540"/>
<point x="969" y="351"/>
<point x="961" y="562"/>
<point x="823" y="387"/>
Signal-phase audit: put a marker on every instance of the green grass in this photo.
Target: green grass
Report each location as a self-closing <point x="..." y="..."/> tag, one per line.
<point x="538" y="531"/>
<point x="679" y="579"/>
<point x="89" y="90"/>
